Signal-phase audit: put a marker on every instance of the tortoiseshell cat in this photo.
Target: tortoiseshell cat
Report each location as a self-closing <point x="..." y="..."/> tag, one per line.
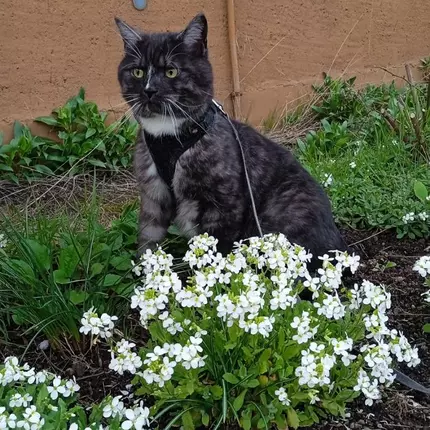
<point x="188" y="164"/>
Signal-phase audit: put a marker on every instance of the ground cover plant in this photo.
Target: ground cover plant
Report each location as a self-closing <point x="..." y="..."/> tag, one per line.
<point x="371" y="153"/>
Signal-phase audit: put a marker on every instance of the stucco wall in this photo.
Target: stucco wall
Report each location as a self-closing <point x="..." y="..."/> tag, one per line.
<point x="48" y="49"/>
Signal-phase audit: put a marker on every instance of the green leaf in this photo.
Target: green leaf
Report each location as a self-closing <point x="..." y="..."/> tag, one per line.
<point x="39" y="252"/>
<point x="281" y="422"/>
<point x="121" y="262"/>
<point x="18" y="129"/>
<point x="263" y="362"/>
<point x="68" y="260"/>
<point x="187" y="421"/>
<point x="426" y="328"/>
<point x="238" y="401"/>
<point x="5" y="168"/>
<point x="96" y="269"/>
<point x="420" y="191"/>
<point x="90" y="132"/>
<point x="60" y="277"/>
<point x="43" y="394"/>
<point x="44" y="170"/>
<point x="246" y="420"/>
<point x="97" y="163"/>
<point x="292" y="418"/>
<point x="22" y="268"/>
<point x="77" y="296"/>
<point x="111" y="279"/>
<point x="205" y="419"/>
<point x="251" y="383"/>
<point x="229" y="377"/>
<point x="48" y="120"/>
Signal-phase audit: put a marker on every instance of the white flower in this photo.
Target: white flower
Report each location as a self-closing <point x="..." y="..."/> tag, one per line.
<point x="367" y="387"/>
<point x="352" y="164"/>
<point x="17" y="401"/>
<point x="376" y="296"/>
<point x="114" y="407"/>
<point x="422" y="266"/>
<point x="304" y="331"/>
<point x="331" y="307"/>
<point x="38" y="378"/>
<point x="32" y="419"/>
<point x="283" y="396"/>
<point x="137" y="418"/>
<point x="159" y="371"/>
<point x="315" y="367"/>
<point x="403" y="351"/>
<point x="342" y="348"/>
<point x="53" y="389"/>
<point x="261" y="325"/>
<point x="409" y="217"/>
<point x="328" y="180"/>
<point x="423" y="216"/>
<point x="3" y="241"/>
<point x="103" y="326"/>
<point x="124" y="359"/>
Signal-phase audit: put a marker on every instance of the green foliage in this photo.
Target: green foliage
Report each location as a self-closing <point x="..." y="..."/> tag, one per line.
<point x="85" y="142"/>
<point x="376" y="146"/>
<point x="52" y="269"/>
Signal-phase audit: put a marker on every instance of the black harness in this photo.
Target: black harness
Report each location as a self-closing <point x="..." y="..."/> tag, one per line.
<point x="166" y="150"/>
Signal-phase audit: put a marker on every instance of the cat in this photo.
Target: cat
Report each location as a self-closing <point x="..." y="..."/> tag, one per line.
<point x="188" y="163"/>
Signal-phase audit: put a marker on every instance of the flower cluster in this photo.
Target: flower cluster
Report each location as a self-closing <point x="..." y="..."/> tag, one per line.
<point x="124" y="359"/>
<point x="252" y="297"/>
<point x="162" y="361"/>
<point x="158" y="281"/>
<point x="98" y="326"/>
<point x="411" y="217"/>
<point x="422" y="266"/>
<point x="20" y="410"/>
<point x="25" y="411"/>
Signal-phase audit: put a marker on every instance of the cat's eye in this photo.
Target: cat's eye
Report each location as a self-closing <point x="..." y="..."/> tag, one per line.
<point x="171" y="73"/>
<point x="138" y="73"/>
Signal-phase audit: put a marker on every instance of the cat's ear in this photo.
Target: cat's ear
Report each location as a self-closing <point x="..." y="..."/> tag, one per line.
<point x="196" y="34"/>
<point x="129" y="35"/>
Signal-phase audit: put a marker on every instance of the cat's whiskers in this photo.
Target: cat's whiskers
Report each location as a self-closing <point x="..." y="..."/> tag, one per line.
<point x="186" y="114"/>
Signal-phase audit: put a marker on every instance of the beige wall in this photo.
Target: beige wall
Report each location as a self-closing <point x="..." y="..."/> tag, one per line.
<point x="48" y="48"/>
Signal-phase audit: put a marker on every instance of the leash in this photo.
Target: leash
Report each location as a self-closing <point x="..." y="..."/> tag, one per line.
<point x="245" y="168"/>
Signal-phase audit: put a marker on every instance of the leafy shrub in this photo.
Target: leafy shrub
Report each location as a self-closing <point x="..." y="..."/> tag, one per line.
<point x="33" y="400"/>
<point x="331" y="139"/>
<point x="234" y="344"/>
<point x="85" y="142"/>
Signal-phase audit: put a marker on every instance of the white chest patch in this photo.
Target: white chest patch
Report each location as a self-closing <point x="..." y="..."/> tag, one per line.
<point x="160" y="125"/>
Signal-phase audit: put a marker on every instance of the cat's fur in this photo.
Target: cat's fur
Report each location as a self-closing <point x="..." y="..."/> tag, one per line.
<point x="208" y="192"/>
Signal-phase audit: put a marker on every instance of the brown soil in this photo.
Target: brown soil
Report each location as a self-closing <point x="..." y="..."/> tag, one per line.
<point x="400" y="408"/>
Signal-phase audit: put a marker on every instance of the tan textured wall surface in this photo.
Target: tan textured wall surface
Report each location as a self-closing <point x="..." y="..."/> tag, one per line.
<point x="48" y="49"/>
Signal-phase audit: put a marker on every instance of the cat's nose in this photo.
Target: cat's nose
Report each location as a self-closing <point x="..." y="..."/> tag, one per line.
<point x="150" y="92"/>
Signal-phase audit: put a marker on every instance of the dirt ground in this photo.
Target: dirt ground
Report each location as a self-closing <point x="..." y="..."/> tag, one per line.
<point x="400" y="408"/>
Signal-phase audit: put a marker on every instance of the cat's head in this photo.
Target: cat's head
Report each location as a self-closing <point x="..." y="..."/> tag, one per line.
<point x="166" y="74"/>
